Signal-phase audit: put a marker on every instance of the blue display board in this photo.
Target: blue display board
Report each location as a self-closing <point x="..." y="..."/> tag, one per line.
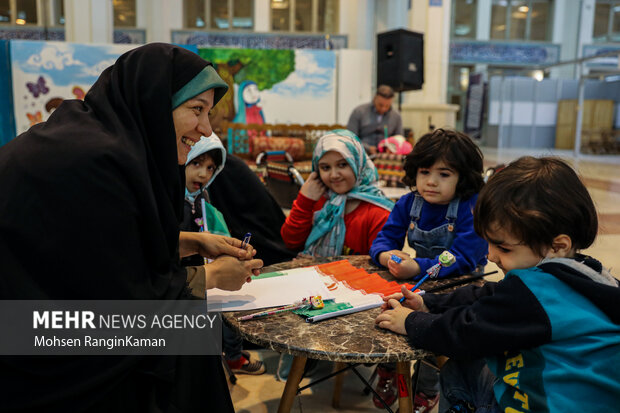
<point x="7" y="119"/>
<point x="505" y="54"/>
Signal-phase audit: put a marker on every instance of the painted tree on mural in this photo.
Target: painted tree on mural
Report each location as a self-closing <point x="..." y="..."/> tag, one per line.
<point x="265" y="67"/>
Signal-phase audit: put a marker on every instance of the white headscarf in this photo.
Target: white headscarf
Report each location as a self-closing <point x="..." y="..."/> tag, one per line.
<point x="205" y="145"/>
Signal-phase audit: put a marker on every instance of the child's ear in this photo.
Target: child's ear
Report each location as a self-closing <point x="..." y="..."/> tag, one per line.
<point x="561" y="247"/>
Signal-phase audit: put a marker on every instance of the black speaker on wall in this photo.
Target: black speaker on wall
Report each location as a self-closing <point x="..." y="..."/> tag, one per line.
<point x="400" y="60"/>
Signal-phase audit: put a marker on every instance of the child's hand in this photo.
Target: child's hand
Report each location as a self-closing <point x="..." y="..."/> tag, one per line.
<point x="412" y="300"/>
<point x="313" y="188"/>
<point x="386" y="256"/>
<point x="394" y="318"/>
<point x="407" y="268"/>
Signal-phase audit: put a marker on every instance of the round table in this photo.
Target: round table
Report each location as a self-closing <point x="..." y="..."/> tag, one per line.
<point x="352" y="338"/>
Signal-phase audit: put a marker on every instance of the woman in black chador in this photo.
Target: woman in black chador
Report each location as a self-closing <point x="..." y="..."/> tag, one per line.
<point x="90" y="209"/>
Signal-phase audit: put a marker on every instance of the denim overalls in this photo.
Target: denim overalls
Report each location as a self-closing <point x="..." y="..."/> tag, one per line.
<point x="429" y="244"/>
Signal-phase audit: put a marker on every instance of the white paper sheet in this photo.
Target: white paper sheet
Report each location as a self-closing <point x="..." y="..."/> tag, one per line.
<point x="297" y="284"/>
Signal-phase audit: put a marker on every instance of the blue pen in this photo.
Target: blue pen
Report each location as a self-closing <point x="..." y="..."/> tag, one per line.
<point x="446" y="259"/>
<point x="246" y="240"/>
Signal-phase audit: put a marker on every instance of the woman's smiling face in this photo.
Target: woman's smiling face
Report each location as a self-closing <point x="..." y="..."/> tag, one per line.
<point x="191" y="122"/>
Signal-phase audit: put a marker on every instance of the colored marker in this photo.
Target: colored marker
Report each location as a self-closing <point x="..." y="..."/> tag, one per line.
<point x="246" y="240"/>
<point x="315" y="302"/>
<point x="396" y="259"/>
<point x="446" y="259"/>
<point x="304" y="303"/>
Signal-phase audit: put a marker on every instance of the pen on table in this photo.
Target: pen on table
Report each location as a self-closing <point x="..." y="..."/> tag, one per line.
<point x="446" y="259"/>
<point x="246" y="240"/>
<point x="314" y="302"/>
<point x="294" y="306"/>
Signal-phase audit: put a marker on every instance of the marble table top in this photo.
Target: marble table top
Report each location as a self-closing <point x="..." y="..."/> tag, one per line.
<point x="351" y="338"/>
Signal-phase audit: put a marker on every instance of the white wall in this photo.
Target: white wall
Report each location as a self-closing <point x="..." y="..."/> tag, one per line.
<point x="353" y="80"/>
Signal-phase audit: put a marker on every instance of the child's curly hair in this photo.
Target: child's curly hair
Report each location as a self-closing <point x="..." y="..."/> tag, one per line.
<point x="456" y="150"/>
<point x="535" y="200"/>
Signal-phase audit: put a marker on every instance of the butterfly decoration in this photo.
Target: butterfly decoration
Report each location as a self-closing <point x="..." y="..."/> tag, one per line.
<point x="37" y="88"/>
<point x="78" y="92"/>
<point x="35" y="118"/>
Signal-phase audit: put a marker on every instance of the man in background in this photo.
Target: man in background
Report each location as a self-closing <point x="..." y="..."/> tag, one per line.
<point x="376" y="120"/>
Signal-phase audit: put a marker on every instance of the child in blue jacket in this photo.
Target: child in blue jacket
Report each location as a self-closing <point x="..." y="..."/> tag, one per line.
<point x="547" y="337"/>
<point x="445" y="167"/>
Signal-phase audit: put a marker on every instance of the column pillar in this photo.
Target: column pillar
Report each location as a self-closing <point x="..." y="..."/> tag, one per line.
<point x="434" y="22"/>
<point x="431" y="17"/>
<point x="89" y="21"/>
<point x="262" y="16"/>
<point x="483" y="30"/>
<point x="356" y="19"/>
<point x="162" y="16"/>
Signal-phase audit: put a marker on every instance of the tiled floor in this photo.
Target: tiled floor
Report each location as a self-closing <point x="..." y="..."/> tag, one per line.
<point x="261" y="394"/>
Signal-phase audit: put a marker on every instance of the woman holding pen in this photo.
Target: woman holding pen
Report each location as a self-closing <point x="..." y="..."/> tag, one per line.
<point x="95" y="193"/>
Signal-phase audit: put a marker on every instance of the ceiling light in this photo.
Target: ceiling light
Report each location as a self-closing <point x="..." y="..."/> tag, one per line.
<point x="538" y="75"/>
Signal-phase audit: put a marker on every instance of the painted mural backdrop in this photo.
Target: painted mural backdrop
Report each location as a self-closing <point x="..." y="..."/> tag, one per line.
<point x="46" y="73"/>
<point x="293" y="86"/>
<point x="286" y="86"/>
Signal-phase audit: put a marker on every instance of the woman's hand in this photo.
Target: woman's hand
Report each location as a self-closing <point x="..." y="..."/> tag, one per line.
<point x="394" y="318"/>
<point x="412" y="300"/>
<point x="313" y="188"/>
<point x="211" y="246"/>
<point x="229" y="273"/>
<point x="407" y="268"/>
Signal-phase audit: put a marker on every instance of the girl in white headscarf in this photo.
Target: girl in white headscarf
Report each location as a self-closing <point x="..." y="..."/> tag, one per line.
<point x="339" y="209"/>
<point x="205" y="160"/>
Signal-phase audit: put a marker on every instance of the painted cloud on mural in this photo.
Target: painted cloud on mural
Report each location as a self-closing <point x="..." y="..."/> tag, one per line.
<point x="46" y="73"/>
<point x="313" y="75"/>
<point x="63" y="62"/>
